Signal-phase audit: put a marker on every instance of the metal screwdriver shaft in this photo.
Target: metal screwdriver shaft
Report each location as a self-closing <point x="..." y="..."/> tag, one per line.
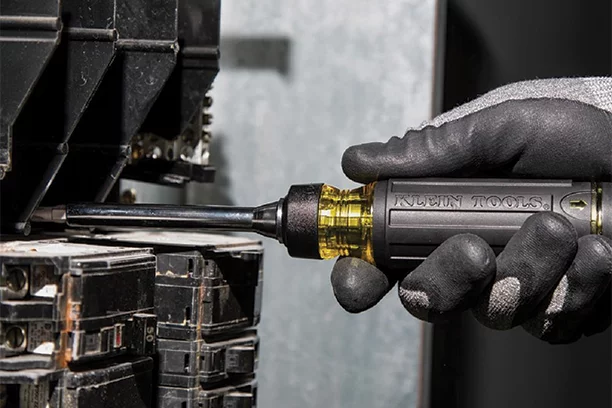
<point x="222" y="218"/>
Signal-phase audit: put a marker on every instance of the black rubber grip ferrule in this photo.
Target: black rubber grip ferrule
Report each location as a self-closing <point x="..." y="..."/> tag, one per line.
<point x="300" y="221"/>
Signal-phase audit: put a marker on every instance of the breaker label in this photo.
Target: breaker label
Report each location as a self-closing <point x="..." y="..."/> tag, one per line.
<point x="34" y="395"/>
<point x="40" y="338"/>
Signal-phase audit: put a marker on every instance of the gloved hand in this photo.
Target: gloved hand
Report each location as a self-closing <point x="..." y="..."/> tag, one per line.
<point x="547" y="280"/>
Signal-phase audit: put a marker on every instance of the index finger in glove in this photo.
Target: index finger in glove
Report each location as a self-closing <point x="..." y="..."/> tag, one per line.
<point x="548" y="134"/>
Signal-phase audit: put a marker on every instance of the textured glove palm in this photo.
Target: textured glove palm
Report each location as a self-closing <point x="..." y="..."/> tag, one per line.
<point x="547" y="280"/>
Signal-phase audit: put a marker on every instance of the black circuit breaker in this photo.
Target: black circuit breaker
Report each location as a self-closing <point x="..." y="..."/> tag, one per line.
<point x="78" y="311"/>
<point x="114" y="383"/>
<point x="67" y="307"/>
<point x="213" y="295"/>
<point x="207" y="302"/>
<point x="67" y="303"/>
<point x="207" y="361"/>
<point x="238" y="395"/>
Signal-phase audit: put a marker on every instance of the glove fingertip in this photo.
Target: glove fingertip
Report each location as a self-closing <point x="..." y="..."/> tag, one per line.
<point x="358" y="285"/>
<point x="416" y="302"/>
<point x="556" y="226"/>
<point x="477" y="254"/>
<point x="601" y="246"/>
<point x="358" y="163"/>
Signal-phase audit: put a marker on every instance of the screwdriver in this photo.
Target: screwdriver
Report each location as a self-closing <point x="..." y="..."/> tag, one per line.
<point x="393" y="223"/>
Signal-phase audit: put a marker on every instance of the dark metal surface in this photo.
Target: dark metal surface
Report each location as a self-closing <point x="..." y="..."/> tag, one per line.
<point x="100" y="143"/>
<point x="196" y="68"/>
<point x="48" y="118"/>
<point x="72" y="138"/>
<point x="29" y="33"/>
<point x="180" y="111"/>
<point x="170" y="173"/>
<point x="267" y="220"/>
<point x="160" y="216"/>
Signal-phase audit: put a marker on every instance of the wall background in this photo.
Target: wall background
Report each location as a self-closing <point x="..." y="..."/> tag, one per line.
<point x="301" y="81"/>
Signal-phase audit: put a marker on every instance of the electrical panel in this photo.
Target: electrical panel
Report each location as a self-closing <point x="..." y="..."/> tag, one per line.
<point x="92" y="92"/>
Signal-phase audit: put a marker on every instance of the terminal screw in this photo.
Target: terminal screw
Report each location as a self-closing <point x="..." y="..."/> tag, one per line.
<point x="128" y="196"/>
<point x="17" y="279"/>
<point x="15" y="338"/>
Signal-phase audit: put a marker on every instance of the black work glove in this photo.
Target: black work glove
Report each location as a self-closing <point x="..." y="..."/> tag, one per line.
<point x="547" y="280"/>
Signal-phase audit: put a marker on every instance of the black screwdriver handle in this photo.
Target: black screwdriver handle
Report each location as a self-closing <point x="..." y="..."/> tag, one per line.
<point x="412" y="217"/>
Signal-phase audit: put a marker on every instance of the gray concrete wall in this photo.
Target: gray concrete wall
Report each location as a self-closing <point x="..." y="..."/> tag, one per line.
<point x="301" y="81"/>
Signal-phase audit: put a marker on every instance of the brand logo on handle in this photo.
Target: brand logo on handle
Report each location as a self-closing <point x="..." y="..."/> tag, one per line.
<point x="429" y="201"/>
<point x="478" y="202"/>
<point x="509" y="202"/>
